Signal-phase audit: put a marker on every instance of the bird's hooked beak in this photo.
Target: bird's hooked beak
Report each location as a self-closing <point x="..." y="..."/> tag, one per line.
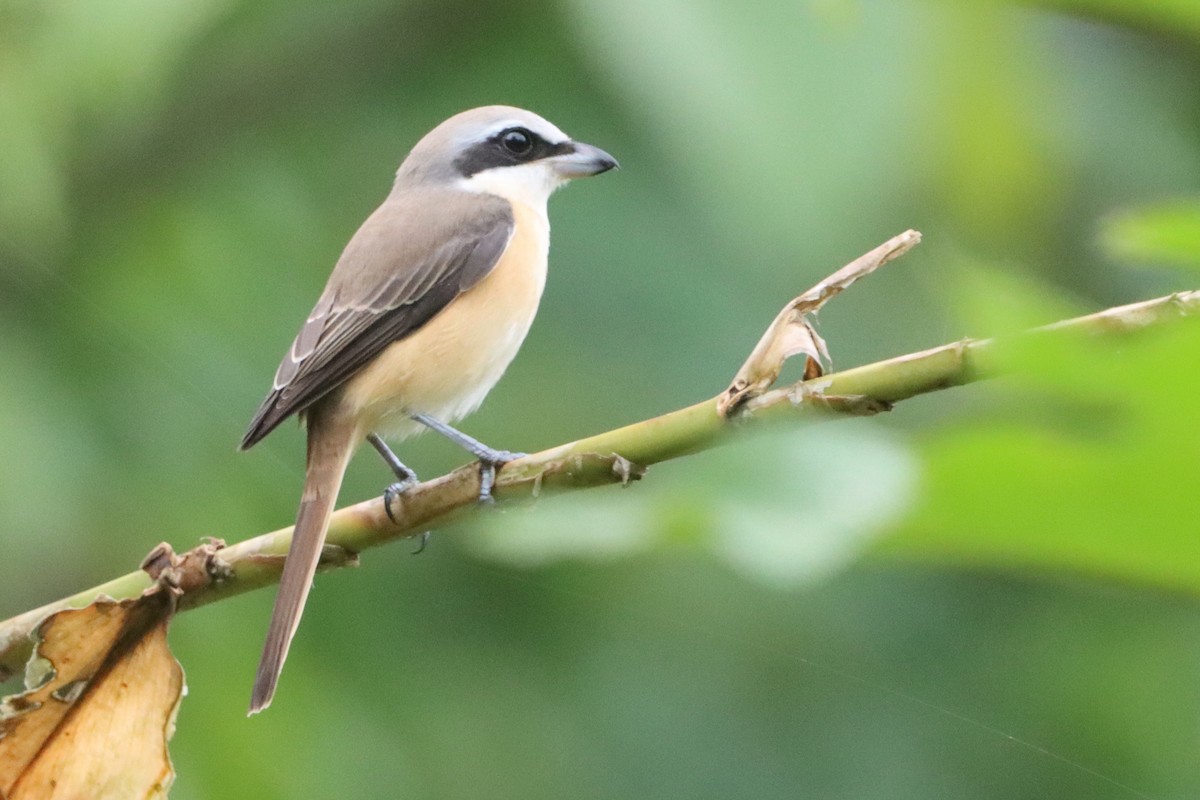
<point x="582" y="160"/>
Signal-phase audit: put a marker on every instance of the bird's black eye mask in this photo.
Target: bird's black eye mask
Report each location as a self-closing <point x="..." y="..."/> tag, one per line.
<point x="508" y="148"/>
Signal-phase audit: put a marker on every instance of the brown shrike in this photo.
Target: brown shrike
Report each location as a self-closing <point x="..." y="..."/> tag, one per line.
<point x="425" y="309"/>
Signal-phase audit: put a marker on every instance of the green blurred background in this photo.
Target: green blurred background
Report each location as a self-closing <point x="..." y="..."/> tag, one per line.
<point x="990" y="593"/>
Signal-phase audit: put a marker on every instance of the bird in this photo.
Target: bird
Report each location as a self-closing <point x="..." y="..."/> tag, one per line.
<point x="423" y="312"/>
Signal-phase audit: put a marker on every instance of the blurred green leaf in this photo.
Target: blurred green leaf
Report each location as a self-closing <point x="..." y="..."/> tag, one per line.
<point x="784" y="507"/>
<point x="1087" y="462"/>
<point x="1180" y="17"/>
<point x="806" y="504"/>
<point x="74" y="78"/>
<point x="721" y="87"/>
<point x="1167" y="233"/>
<point x="997" y="299"/>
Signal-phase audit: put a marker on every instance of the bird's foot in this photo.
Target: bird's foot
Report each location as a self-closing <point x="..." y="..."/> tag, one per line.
<point x="394" y="491"/>
<point x="405" y="477"/>
<point x="489" y="461"/>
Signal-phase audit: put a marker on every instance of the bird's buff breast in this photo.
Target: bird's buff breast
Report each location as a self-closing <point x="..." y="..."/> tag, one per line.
<point x="447" y="367"/>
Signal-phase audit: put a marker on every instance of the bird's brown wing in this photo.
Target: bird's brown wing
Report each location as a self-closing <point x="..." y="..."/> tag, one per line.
<point x="415" y="254"/>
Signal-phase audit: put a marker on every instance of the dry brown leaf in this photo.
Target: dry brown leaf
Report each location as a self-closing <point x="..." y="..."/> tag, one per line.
<point x="95" y="724"/>
<point x="792" y="332"/>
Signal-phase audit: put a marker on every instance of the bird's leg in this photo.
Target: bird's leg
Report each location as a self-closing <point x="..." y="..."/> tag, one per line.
<point x="405" y="477"/>
<point x="489" y="459"/>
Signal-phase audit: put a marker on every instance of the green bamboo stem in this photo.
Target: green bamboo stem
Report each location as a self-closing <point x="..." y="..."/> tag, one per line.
<point x="594" y="461"/>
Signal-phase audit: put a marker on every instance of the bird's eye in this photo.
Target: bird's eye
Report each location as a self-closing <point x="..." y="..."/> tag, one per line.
<point x="517" y="141"/>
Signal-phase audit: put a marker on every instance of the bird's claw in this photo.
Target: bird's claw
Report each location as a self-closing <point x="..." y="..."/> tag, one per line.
<point x="487" y="472"/>
<point x="487" y="479"/>
<point x="392" y="492"/>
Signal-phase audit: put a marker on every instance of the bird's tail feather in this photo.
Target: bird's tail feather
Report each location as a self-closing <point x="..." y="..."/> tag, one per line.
<point x="330" y="444"/>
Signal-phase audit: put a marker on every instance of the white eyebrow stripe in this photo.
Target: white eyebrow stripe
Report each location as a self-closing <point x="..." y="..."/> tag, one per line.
<point x="547" y="131"/>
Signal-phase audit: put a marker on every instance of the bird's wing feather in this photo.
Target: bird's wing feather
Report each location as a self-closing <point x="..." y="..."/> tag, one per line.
<point x="415" y="254"/>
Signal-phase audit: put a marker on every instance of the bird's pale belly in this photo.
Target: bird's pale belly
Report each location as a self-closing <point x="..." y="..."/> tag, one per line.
<point x="447" y="367"/>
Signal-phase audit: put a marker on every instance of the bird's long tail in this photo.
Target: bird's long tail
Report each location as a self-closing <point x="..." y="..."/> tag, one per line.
<point x="331" y="441"/>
